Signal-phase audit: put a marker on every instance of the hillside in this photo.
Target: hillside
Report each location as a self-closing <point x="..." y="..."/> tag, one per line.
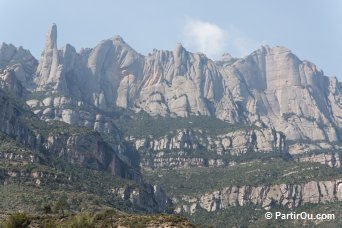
<point x="218" y="142"/>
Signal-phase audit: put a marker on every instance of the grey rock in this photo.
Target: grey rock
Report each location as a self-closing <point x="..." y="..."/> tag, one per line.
<point x="275" y="87"/>
<point x="172" y="150"/>
<point x="288" y="195"/>
<point x="270" y="87"/>
<point x="20" y="61"/>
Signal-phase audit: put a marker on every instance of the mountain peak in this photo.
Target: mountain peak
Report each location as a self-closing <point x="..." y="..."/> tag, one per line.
<point x="51" y="36"/>
<point x="179" y="49"/>
<point x="48" y="64"/>
<point x="118" y="38"/>
<point x="274" y="50"/>
<point x="226" y="57"/>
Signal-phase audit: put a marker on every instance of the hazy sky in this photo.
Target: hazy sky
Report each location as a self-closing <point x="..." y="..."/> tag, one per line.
<point x="311" y="29"/>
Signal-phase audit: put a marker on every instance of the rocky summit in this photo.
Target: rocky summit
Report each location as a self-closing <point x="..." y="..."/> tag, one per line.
<point x="270" y="87"/>
<point x="172" y="132"/>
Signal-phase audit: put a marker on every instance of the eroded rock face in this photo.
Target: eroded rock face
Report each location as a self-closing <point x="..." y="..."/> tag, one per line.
<point x="72" y="111"/>
<point x="266" y="196"/>
<point x="150" y="198"/>
<point x="114" y="75"/>
<point x="89" y="150"/>
<point x="12" y="125"/>
<point x="85" y="148"/>
<point x="275" y="87"/>
<point x="10" y="83"/>
<point x="49" y="72"/>
<point x="320" y="152"/>
<point x="270" y="87"/>
<point x="182" y="83"/>
<point x="330" y="159"/>
<point x="174" y="150"/>
<point x="20" y="61"/>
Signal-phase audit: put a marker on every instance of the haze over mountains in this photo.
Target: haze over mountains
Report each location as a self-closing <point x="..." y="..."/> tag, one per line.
<point x="177" y="110"/>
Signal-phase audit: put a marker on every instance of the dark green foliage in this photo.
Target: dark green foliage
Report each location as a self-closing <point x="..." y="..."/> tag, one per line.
<point x="53" y="127"/>
<point x="142" y="125"/>
<point x="49" y="223"/>
<point x="85" y="189"/>
<point x="47" y="209"/>
<point x="17" y="220"/>
<point x="110" y="218"/>
<point x="81" y="221"/>
<point x="7" y="144"/>
<point x="192" y="181"/>
<point x="254" y="216"/>
<point x="62" y="204"/>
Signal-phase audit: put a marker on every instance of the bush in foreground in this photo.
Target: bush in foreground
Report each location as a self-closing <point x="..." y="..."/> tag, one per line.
<point x="17" y="220"/>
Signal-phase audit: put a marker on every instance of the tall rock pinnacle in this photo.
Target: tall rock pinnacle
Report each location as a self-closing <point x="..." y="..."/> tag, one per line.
<point x="48" y="65"/>
<point x="51" y="37"/>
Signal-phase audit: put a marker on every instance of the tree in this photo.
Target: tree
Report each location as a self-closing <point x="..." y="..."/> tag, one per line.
<point x="47" y="209"/>
<point x="61" y="205"/>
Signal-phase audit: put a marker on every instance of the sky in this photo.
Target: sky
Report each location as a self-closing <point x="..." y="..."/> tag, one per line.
<point x="311" y="29"/>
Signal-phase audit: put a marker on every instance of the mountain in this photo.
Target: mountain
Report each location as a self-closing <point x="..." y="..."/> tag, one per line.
<point x="270" y="87"/>
<point x="275" y="87"/>
<point x="179" y="130"/>
<point x="45" y="154"/>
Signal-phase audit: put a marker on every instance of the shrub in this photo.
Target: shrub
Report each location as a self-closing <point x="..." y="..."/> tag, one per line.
<point x="17" y="220"/>
<point x="81" y="221"/>
<point x="49" y="224"/>
<point x="62" y="205"/>
<point x="47" y="209"/>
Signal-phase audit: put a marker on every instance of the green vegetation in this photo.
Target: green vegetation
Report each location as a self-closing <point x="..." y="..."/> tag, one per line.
<point x="253" y="216"/>
<point x="40" y="188"/>
<point x="192" y="181"/>
<point x="142" y="125"/>
<point x="62" y="204"/>
<point x="56" y="190"/>
<point x="81" y="221"/>
<point x="206" y="155"/>
<point x="7" y="144"/>
<point x="108" y="218"/>
<point x="17" y="220"/>
<point x="53" y="127"/>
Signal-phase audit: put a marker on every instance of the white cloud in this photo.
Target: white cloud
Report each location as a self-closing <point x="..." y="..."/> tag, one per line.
<point x="212" y="40"/>
<point x="204" y="37"/>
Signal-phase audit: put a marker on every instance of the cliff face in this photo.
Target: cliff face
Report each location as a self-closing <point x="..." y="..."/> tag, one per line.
<point x="270" y="87"/>
<point x="36" y="142"/>
<point x="82" y="147"/>
<point x="91" y="151"/>
<point x="275" y="87"/>
<point x="291" y="108"/>
<point x="10" y="83"/>
<point x="266" y="196"/>
<point x="11" y="123"/>
<point x="20" y="61"/>
<point x="179" y="148"/>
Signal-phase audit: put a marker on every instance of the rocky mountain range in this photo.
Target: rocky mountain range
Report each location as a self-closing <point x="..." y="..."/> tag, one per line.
<point x="270" y="87"/>
<point x="180" y="111"/>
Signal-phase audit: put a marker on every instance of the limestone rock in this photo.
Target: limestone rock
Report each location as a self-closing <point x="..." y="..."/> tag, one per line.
<point x="173" y="150"/>
<point x="10" y="83"/>
<point x="275" y="87"/>
<point x="270" y="87"/>
<point x="48" y="71"/>
<point x="290" y="196"/>
<point x="20" y="61"/>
